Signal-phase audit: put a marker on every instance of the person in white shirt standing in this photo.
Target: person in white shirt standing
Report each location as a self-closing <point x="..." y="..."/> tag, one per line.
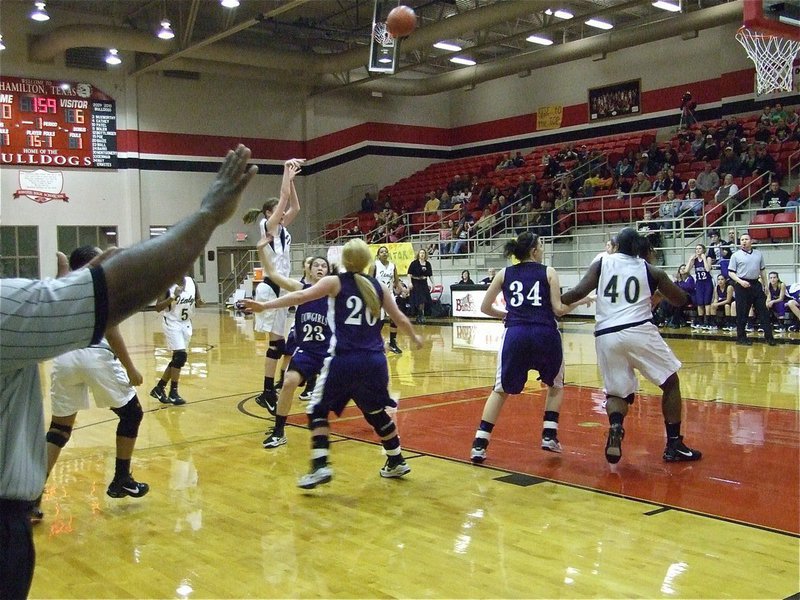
<point x="626" y="338"/>
<point x="177" y="309"/>
<point x="385" y="271"/>
<point x="275" y="216"/>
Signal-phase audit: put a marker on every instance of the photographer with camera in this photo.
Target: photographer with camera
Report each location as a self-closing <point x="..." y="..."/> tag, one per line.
<point x="688" y="107"/>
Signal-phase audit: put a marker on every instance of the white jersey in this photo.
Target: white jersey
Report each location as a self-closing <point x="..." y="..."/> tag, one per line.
<point x="282" y="245"/>
<point x="182" y="309"/>
<point x="385" y="274"/>
<point x="623" y="293"/>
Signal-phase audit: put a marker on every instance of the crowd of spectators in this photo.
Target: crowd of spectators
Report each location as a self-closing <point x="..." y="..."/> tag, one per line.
<point x="471" y="208"/>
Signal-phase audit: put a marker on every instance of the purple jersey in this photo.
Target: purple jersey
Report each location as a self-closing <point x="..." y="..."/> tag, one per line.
<point x="527" y="295"/>
<point x="722" y="294"/>
<point x="311" y="326"/>
<point x="355" y="328"/>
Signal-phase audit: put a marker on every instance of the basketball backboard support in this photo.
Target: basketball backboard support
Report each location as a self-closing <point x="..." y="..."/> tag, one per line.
<point x="382" y="48"/>
<point x="773" y="17"/>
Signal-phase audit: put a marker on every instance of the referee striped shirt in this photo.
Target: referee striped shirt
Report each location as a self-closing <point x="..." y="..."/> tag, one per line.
<point x="39" y="319"/>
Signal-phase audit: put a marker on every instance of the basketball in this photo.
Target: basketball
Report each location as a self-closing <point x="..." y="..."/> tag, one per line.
<point x="402" y="21"/>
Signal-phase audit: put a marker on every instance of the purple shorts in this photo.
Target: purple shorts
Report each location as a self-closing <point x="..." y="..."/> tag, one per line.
<point x="308" y="364"/>
<point x="526" y="348"/>
<point x="779" y="308"/>
<point x="704" y="292"/>
<point x="359" y="376"/>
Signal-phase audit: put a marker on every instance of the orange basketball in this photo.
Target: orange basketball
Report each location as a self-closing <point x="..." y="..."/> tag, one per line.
<point x="402" y="21"/>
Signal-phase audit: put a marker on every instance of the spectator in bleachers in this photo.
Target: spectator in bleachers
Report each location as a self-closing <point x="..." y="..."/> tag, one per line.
<point x="660" y="183"/>
<point x="505" y="163"/>
<point x="487" y="195"/>
<point x="711" y="149"/>
<point x="765" y="117"/>
<point x="791" y="118"/>
<point x="765" y="163"/>
<point x="565" y="203"/>
<point x="525" y="217"/>
<point x="748" y="162"/>
<point x="650" y="229"/>
<point x="355" y="232"/>
<point x="775" y="198"/>
<point x="715" y="247"/>
<point x="547" y="217"/>
<point x="367" y="203"/>
<point x="640" y="185"/>
<point x="698" y="143"/>
<point x="762" y="134"/>
<point x="529" y="187"/>
<point x="622" y="170"/>
<point x="782" y="133"/>
<point x="445" y="202"/>
<point x="778" y="114"/>
<point x="432" y="203"/>
<point x="457" y="185"/>
<point x="669" y="208"/>
<point x="484" y="225"/>
<point x="552" y="166"/>
<point x="707" y="180"/>
<point x="671" y="158"/>
<point x="379" y="235"/>
<point x="400" y="230"/>
<point x="673" y="181"/>
<point x="692" y="204"/>
<point x="792" y="204"/>
<point x="567" y="153"/>
<point x="518" y="160"/>
<point x="728" y="192"/>
<point x="649" y="166"/>
<point x="729" y="162"/>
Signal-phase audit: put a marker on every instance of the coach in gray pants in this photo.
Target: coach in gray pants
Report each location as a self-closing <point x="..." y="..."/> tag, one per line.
<point x="749" y="281"/>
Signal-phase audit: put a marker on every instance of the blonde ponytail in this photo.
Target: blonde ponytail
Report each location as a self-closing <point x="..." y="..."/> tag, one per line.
<point x="356" y="259"/>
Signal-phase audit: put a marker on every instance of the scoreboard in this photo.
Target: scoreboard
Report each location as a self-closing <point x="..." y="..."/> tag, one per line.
<point x="56" y="123"/>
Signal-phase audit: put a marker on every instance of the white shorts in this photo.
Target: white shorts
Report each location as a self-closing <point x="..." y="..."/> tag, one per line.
<point x="640" y="347"/>
<point x="270" y="321"/>
<point x="77" y="372"/>
<point x="178" y="335"/>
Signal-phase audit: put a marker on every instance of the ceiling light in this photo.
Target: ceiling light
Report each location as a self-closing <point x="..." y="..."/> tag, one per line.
<point x="537" y="39"/>
<point x="561" y="14"/>
<point x="112" y="58"/>
<point x="166" y="33"/>
<point x="446" y="46"/>
<point x="598" y="24"/>
<point x="463" y="61"/>
<point x="229" y="3"/>
<point x="40" y="14"/>
<point x="2" y="45"/>
<point x="664" y="5"/>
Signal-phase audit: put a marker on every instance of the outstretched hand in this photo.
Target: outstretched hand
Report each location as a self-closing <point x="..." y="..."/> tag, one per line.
<point x="253" y="305"/>
<point x="233" y="176"/>
<point x="293" y="166"/>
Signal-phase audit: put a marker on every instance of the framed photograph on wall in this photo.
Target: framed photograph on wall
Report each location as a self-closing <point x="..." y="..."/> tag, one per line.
<point x="615" y="100"/>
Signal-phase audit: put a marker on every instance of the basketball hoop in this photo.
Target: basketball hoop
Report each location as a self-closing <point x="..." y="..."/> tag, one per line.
<point x="382" y="35"/>
<point x="773" y="57"/>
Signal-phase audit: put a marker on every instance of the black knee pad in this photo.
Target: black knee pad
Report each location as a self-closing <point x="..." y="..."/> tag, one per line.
<point x="130" y="416"/>
<point x="178" y="358"/>
<point x="276" y="349"/>
<point x="58" y="439"/>
<point x="381" y="423"/>
<point x="629" y="398"/>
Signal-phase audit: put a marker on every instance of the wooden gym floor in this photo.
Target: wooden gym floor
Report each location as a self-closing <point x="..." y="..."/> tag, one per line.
<point x="224" y="519"/>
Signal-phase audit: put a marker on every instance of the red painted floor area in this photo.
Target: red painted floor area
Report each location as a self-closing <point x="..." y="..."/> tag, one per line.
<point x="749" y="470"/>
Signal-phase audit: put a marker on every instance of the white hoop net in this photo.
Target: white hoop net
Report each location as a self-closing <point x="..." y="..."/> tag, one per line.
<point x="382" y="35"/>
<point x="773" y="57"/>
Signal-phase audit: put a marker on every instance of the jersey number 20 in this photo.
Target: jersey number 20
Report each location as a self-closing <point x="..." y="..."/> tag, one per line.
<point x="357" y="312"/>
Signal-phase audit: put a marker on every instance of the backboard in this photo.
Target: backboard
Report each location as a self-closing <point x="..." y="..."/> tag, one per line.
<point x="779" y="18"/>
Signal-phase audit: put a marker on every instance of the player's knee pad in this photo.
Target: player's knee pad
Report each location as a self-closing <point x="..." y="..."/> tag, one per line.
<point x="381" y="422"/>
<point x="317" y="422"/>
<point x="276" y="349"/>
<point x="58" y="434"/>
<point x="179" y="358"/>
<point x="130" y="416"/>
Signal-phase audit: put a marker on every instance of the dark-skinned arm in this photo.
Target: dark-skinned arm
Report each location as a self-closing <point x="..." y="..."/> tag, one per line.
<point x="667" y="288"/>
<point x="585" y="286"/>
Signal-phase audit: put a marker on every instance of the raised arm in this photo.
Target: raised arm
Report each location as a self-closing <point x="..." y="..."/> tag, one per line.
<point x="266" y="254"/>
<point x="495" y="287"/>
<point x="327" y="286"/>
<point x="294" y="201"/>
<point x="585" y="286"/>
<point x="136" y="275"/>
<point x="283" y="210"/>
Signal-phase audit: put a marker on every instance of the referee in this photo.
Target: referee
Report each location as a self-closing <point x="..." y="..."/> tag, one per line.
<point x="749" y="281"/>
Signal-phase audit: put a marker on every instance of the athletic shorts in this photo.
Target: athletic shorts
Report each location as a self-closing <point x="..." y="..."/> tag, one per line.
<point x="529" y="348"/>
<point x="640" y="347"/>
<point x="308" y="364"/>
<point x="359" y="376"/>
<point x="178" y="335"/>
<point x="779" y="308"/>
<point x="95" y="369"/>
<point x="703" y="292"/>
<point x="291" y="342"/>
<point x="270" y="321"/>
